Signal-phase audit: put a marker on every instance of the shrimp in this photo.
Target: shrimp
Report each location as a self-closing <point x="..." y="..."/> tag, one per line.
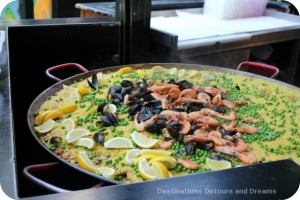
<point x="186" y="127"/>
<point x="200" y="132"/>
<point x="217" y="99"/>
<point x="188" y="94"/>
<point x="240" y="103"/>
<point x="165" y="104"/>
<point x="224" y="149"/>
<point x="207" y="120"/>
<point x="162" y="89"/>
<point x="207" y="111"/>
<point x="214" y="91"/>
<point x="174" y="93"/>
<point x="239" y="145"/>
<point x="247" y="129"/>
<point x="217" y="138"/>
<point x="196" y="138"/>
<point x="157" y="96"/>
<point x="231" y="116"/>
<point x="246" y="157"/>
<point x="174" y="114"/>
<point x="203" y="97"/>
<point x="227" y="104"/>
<point x="230" y="126"/>
<point x="141" y="126"/>
<point x="187" y="163"/>
<point x="166" y="144"/>
<point x="251" y="120"/>
<point x="126" y="99"/>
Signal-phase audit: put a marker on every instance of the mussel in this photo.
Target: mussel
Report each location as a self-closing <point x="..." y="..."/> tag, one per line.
<point x="228" y="135"/>
<point x="126" y="83"/>
<point x="192" y="106"/>
<point x="94" y="83"/>
<point x="184" y="84"/>
<point x="190" y="148"/>
<point x="55" y="140"/>
<point x="216" y="156"/>
<point x="109" y="119"/>
<point x="219" y="109"/>
<point x="99" y="138"/>
<point x="145" y="114"/>
<point x="155" y="127"/>
<point x="134" y="109"/>
<point x="173" y="128"/>
<point x="206" y="145"/>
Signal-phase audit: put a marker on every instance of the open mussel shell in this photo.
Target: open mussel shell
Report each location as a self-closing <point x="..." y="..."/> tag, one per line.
<point x="126" y="83"/>
<point x="219" y="109"/>
<point x="190" y="148"/>
<point x="184" y="84"/>
<point x="94" y="83"/>
<point x="155" y="127"/>
<point x="206" y="145"/>
<point x="216" y="156"/>
<point x="109" y="119"/>
<point x="192" y="106"/>
<point x="173" y="128"/>
<point x="55" y="140"/>
<point x="134" y="109"/>
<point x="228" y="135"/>
<point x="99" y="138"/>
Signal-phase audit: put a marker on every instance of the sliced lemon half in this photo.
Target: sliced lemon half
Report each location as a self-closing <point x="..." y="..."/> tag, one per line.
<point x="45" y="127"/>
<point x="85" y="142"/>
<point x="218" y="164"/>
<point x="141" y="73"/>
<point x="68" y="108"/>
<point x="82" y="89"/>
<point x="125" y="70"/>
<point x="75" y="134"/>
<point x="118" y="142"/>
<point x="145" y="170"/>
<point x="70" y="89"/>
<point x="160" y="170"/>
<point x="147" y="157"/>
<point x="107" y="172"/>
<point x="157" y="69"/>
<point x="52" y="114"/>
<point x="181" y="73"/>
<point x="168" y="161"/>
<point x="156" y="152"/>
<point x="69" y="124"/>
<point x="131" y="155"/>
<point x="75" y="96"/>
<point x="173" y="71"/>
<point x="142" y="141"/>
<point x="85" y="162"/>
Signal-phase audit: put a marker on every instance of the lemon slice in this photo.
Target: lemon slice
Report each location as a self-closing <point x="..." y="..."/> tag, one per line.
<point x="93" y="110"/>
<point x="107" y="172"/>
<point x="208" y="77"/>
<point x="75" y="134"/>
<point x="168" y="161"/>
<point x="125" y="70"/>
<point x="173" y="71"/>
<point x="147" y="157"/>
<point x="70" y="89"/>
<point x="157" y="69"/>
<point x="156" y="152"/>
<point x="145" y="170"/>
<point x="111" y="108"/>
<point x="131" y="155"/>
<point x="67" y="109"/>
<point x="41" y="116"/>
<point x="181" y="73"/>
<point x="118" y="142"/>
<point x="85" y="142"/>
<point x="54" y="105"/>
<point x="192" y="73"/>
<point x="82" y="89"/>
<point x="143" y="141"/>
<point x="218" y="164"/>
<point x="46" y="126"/>
<point x="69" y="124"/>
<point x="160" y="170"/>
<point x="85" y="162"/>
<point x="102" y="82"/>
<point x="141" y="73"/>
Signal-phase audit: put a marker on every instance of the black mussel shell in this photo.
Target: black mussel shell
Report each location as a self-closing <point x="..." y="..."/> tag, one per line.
<point x="143" y="117"/>
<point x="216" y="156"/>
<point x="101" y="108"/>
<point x="126" y="83"/>
<point x="148" y="97"/>
<point x="117" y="96"/>
<point x="156" y="111"/>
<point x="55" y="140"/>
<point x="125" y="90"/>
<point x="190" y="148"/>
<point x="219" y="109"/>
<point x="192" y="106"/>
<point x="144" y="85"/>
<point x="99" y="138"/>
<point x="184" y="84"/>
<point x="105" y="121"/>
<point x="109" y="119"/>
<point x="206" y="145"/>
<point x="180" y="138"/>
<point x="116" y="102"/>
<point x="173" y="128"/>
<point x="156" y="127"/>
<point x="178" y="109"/>
<point x="163" y="117"/>
<point x="94" y="83"/>
<point x="134" y="109"/>
<point x="193" y="129"/>
<point x="228" y="137"/>
<point x="135" y="102"/>
<point x="154" y="104"/>
<point x="137" y="95"/>
<point x="115" y="89"/>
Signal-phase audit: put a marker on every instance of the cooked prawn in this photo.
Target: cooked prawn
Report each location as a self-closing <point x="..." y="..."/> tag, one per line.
<point x="141" y="126"/>
<point x="187" y="163"/>
<point x="227" y="104"/>
<point x="217" y="138"/>
<point x="240" y="103"/>
<point x="162" y="89"/>
<point x="188" y="94"/>
<point x="214" y="91"/>
<point x="196" y="138"/>
<point x="203" y="97"/>
<point x="165" y="104"/>
<point x="166" y="144"/>
<point x="157" y="96"/>
<point x="230" y="126"/>
<point x="207" y="120"/>
<point x="174" y="93"/>
<point x="239" y="145"/>
<point x="251" y="120"/>
<point x="246" y="157"/>
<point x="186" y="127"/>
<point x="247" y="129"/>
<point x="217" y="99"/>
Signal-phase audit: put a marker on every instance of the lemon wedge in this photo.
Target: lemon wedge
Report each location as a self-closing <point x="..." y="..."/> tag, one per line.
<point x="181" y="73"/>
<point x="142" y="141"/>
<point x="107" y="172"/>
<point x="173" y="71"/>
<point x="125" y="70"/>
<point x="118" y="142"/>
<point x="131" y="155"/>
<point x="85" y="142"/>
<point x="218" y="164"/>
<point x="82" y="89"/>
<point x="85" y="162"/>
<point x="168" y="161"/>
<point x="69" y="124"/>
<point x="52" y="114"/>
<point x="70" y="89"/>
<point x="41" y="116"/>
<point x="141" y="73"/>
<point x="67" y="109"/>
<point x="157" y="69"/>
<point x="156" y="152"/>
<point x="45" y="127"/>
<point x="93" y="110"/>
<point x="145" y="170"/>
<point x="192" y="73"/>
<point x="75" y="134"/>
<point x="75" y="96"/>
<point x="147" y="156"/>
<point x="160" y="170"/>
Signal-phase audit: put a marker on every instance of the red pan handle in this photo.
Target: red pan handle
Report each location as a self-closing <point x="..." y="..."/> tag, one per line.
<point x="272" y="68"/>
<point x="61" y="66"/>
<point x="27" y="171"/>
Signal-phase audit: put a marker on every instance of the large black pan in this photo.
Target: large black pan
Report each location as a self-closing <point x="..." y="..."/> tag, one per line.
<point x="58" y="86"/>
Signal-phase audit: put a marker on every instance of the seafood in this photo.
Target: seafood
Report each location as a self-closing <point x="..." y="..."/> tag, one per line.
<point x="247" y="129"/>
<point x="187" y="163"/>
<point x="166" y="144"/>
